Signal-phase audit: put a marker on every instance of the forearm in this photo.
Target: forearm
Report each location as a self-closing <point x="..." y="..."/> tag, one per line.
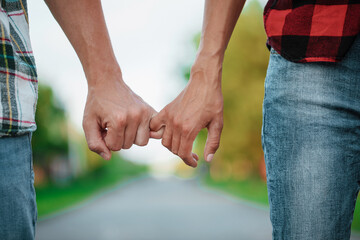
<point x="220" y="18"/>
<point x="84" y="25"/>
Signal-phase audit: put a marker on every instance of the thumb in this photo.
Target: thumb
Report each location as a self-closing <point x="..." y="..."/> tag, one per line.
<point x="213" y="139"/>
<point x="94" y="139"/>
<point x="157" y="121"/>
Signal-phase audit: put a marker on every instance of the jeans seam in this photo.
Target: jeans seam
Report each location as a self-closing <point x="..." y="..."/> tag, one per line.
<point x="32" y="175"/>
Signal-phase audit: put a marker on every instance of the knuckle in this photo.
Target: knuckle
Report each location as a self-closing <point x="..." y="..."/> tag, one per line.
<point x="116" y="148"/>
<point x="135" y="114"/>
<point x="215" y="146"/>
<point x="146" y="141"/>
<point x="144" y="109"/>
<point x="120" y="120"/>
<point x="126" y="147"/>
<point x="182" y="156"/>
<point x="177" y="123"/>
<point x="169" y="118"/>
<point x="166" y="112"/>
<point x="186" y="129"/>
<point x="113" y="146"/>
<point x="187" y="162"/>
<point x="219" y="126"/>
<point x="165" y="142"/>
<point x="142" y="138"/>
<point x="93" y="146"/>
<point x="142" y="142"/>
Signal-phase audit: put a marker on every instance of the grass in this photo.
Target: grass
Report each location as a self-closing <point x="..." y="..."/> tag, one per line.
<point x="356" y="222"/>
<point x="255" y="190"/>
<point x="53" y="198"/>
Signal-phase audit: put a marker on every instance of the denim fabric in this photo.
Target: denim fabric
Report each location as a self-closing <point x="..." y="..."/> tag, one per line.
<point x="17" y="194"/>
<point x="311" y="141"/>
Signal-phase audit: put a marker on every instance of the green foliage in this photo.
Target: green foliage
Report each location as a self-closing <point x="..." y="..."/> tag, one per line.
<point x="356" y="221"/>
<point x="50" y="139"/>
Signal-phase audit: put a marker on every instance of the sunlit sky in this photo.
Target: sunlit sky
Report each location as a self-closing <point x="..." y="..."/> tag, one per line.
<point x="152" y="40"/>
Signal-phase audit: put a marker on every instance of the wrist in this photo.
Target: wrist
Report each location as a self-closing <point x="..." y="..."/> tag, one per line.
<point x="210" y="54"/>
<point x="209" y="67"/>
<point x="105" y="72"/>
<point x="209" y="57"/>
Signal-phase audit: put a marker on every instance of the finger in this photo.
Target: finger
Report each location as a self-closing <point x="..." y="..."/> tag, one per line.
<point x="158" y="134"/>
<point x="213" y="139"/>
<point x="130" y="134"/>
<point x="142" y="134"/>
<point x="157" y="121"/>
<point x="94" y="139"/>
<point x="185" y="151"/>
<point x="114" y="138"/>
<point x="167" y="138"/>
<point x="195" y="156"/>
<point x="175" y="142"/>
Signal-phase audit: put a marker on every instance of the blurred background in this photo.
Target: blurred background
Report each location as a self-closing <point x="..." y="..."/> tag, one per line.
<point x="155" y="42"/>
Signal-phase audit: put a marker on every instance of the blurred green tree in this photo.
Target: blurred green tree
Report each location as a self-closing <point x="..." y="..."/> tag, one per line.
<point x="51" y="137"/>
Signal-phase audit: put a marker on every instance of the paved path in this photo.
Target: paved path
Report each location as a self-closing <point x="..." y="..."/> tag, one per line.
<point x="152" y="209"/>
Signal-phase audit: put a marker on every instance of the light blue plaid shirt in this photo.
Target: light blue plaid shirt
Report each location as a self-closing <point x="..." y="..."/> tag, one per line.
<point x="18" y="77"/>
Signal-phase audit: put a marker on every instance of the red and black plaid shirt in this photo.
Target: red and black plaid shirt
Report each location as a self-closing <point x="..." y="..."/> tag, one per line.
<point x="312" y="30"/>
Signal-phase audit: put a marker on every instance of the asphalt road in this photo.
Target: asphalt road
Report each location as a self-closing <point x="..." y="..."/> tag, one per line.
<point x="155" y="209"/>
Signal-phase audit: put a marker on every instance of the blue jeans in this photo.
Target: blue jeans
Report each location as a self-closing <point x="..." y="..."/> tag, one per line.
<point x="17" y="194"/>
<point x="311" y="141"/>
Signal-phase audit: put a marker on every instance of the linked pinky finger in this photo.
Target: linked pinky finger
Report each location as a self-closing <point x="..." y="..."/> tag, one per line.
<point x="158" y="134"/>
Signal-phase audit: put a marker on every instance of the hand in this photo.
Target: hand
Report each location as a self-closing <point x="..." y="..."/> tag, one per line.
<point x="115" y="117"/>
<point x="198" y="106"/>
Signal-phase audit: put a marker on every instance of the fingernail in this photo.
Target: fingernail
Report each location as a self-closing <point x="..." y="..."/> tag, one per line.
<point x="210" y="157"/>
<point x="195" y="165"/>
<point x="103" y="155"/>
